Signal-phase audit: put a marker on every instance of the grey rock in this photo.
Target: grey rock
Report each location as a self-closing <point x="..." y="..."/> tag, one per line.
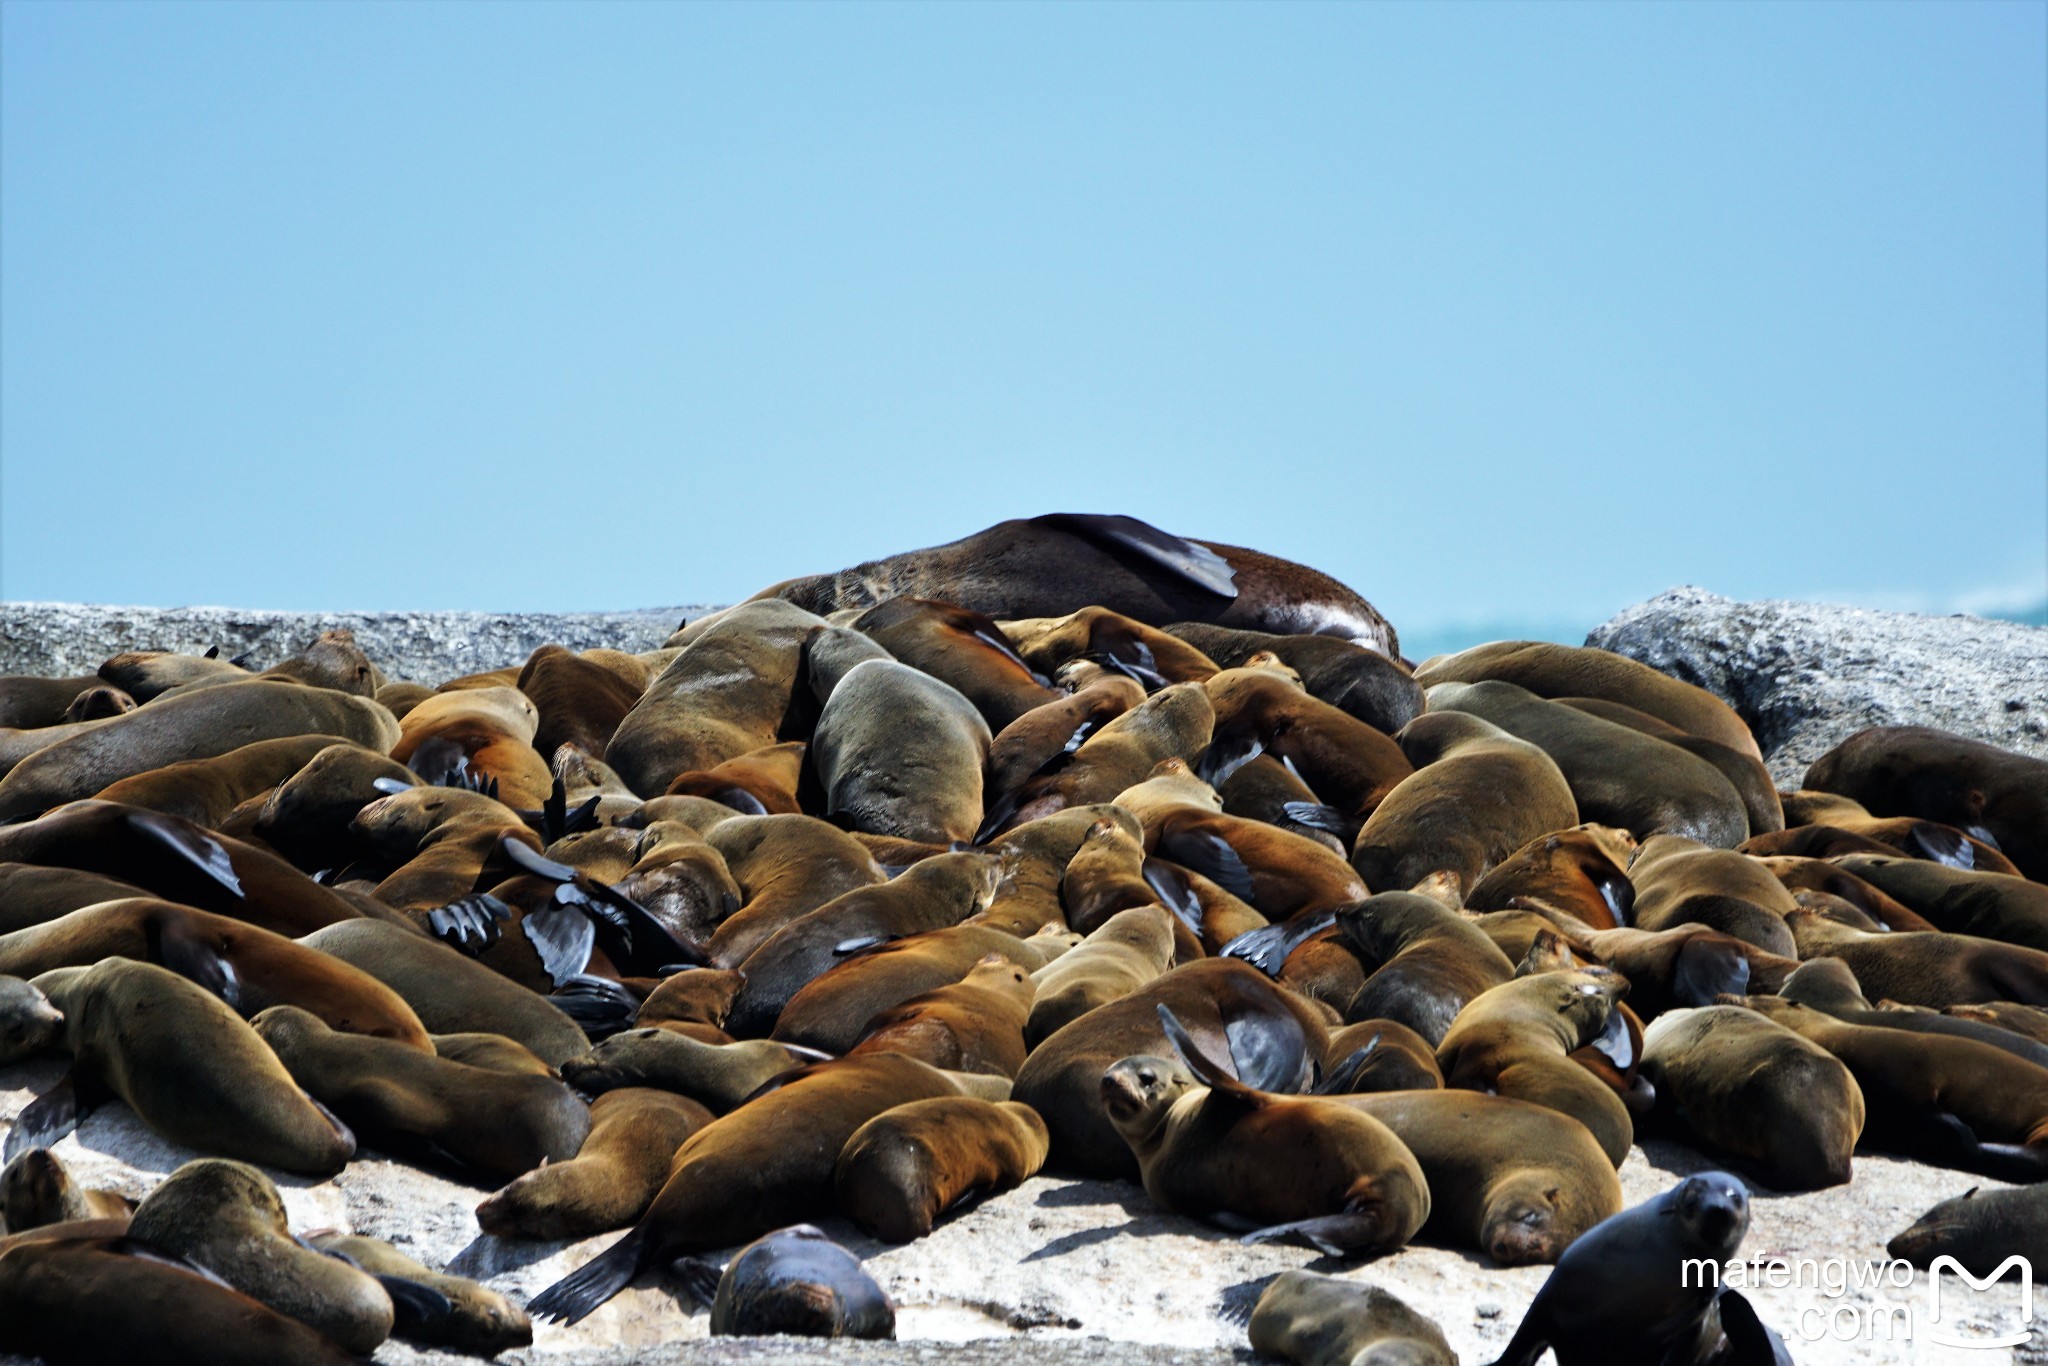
<point x="65" y="638"/>
<point x="1806" y="676"/>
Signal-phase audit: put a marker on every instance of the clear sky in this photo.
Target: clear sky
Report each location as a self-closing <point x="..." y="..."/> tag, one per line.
<point x="1503" y="314"/>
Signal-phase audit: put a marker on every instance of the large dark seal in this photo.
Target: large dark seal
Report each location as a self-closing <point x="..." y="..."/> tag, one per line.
<point x="1052" y="565"/>
<point x="794" y="1282"/>
<point x="1982" y="790"/>
<point x="1620" y="1292"/>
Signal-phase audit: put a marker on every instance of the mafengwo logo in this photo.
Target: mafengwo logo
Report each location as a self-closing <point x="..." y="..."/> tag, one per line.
<point x="1935" y="1332"/>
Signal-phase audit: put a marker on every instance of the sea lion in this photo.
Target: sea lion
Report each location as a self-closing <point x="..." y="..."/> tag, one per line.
<point x="28" y="1022"/>
<point x="965" y="650"/>
<point x="1981" y="1229"/>
<point x="1130" y="949"/>
<point x="724" y="695"/>
<point x="1515" y="1040"/>
<point x="1992" y="905"/>
<point x="477" y="1319"/>
<point x="31" y="894"/>
<point x="1682" y="882"/>
<point x="54" y="1295"/>
<point x="1374" y="687"/>
<point x="761" y="1167"/>
<point x="1779" y="1105"/>
<point x="634" y="1134"/>
<point x="1046" y="735"/>
<point x="905" y="1167"/>
<point x="196" y="1074"/>
<point x="829" y="1012"/>
<point x="228" y="1218"/>
<point x="1432" y="962"/>
<point x="1954" y="1102"/>
<point x="1350" y="765"/>
<point x="579" y="701"/>
<point x="169" y="857"/>
<point x="195" y="726"/>
<point x="1819" y="875"/>
<point x="1132" y="648"/>
<point x="205" y="791"/>
<point x="483" y="734"/>
<point x="1744" y="772"/>
<point x="36" y="1191"/>
<point x="1515" y="1181"/>
<point x="1828" y="985"/>
<point x="1273" y="1036"/>
<point x="974" y="1025"/>
<point x="786" y="867"/>
<point x="249" y="968"/>
<point x="1052" y="565"/>
<point x="1477" y="795"/>
<point x="720" y="1076"/>
<point x="1176" y="722"/>
<point x="1550" y="670"/>
<point x="931" y="895"/>
<point x="1908" y="835"/>
<point x="1688" y="965"/>
<point x="694" y="1003"/>
<point x="1323" y="1321"/>
<point x="306" y="817"/>
<point x="1618" y="776"/>
<point x="793" y="1282"/>
<point x="1578" y="870"/>
<point x="450" y="992"/>
<point x="1379" y="1055"/>
<point x="761" y="782"/>
<point x="1618" y="1294"/>
<point x="1927" y="968"/>
<point x="1267" y="1166"/>
<point x="1982" y="790"/>
<point x="900" y="753"/>
<point x="493" y="1051"/>
<point x="1106" y="876"/>
<point x="409" y="1102"/>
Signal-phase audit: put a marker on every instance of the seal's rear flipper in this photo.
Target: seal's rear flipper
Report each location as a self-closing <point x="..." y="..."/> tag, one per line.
<point x="1129" y="539"/>
<point x="599" y="1005"/>
<point x="418" y="1311"/>
<point x="1216" y="1076"/>
<point x="1318" y="816"/>
<point x="1343" y="1078"/>
<point x="189" y="842"/>
<point x="1708" y="971"/>
<point x="1211" y="856"/>
<point x="1944" y="845"/>
<point x="1267" y="947"/>
<point x="1749" y="1342"/>
<point x="563" y="937"/>
<point x="697" y="1276"/>
<point x="469" y="924"/>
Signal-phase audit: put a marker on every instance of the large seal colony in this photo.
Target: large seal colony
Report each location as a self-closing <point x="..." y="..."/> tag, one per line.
<point x="1074" y="845"/>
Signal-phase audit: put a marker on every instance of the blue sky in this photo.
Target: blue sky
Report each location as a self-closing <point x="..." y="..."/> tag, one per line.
<point x="1504" y="314"/>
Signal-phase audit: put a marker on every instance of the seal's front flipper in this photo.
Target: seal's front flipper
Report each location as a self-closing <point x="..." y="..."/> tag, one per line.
<point x="1131" y="540"/>
<point x="469" y="924"/>
<point x="190" y="843"/>
<point x="697" y="1276"/>
<point x="50" y="1116"/>
<point x="1343" y="1078"/>
<point x="1211" y="856"/>
<point x="563" y="937"/>
<point x="196" y="957"/>
<point x="1333" y="1235"/>
<point x="418" y="1311"/>
<point x="599" y="1005"/>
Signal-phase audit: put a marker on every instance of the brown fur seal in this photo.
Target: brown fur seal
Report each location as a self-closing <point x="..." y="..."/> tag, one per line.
<point x="900" y="753"/>
<point x="761" y="782"/>
<point x="1274" y="1036"/>
<point x="408" y="1102"/>
<point x="1908" y="835"/>
<point x="1379" y="1055"/>
<point x="1618" y="776"/>
<point x="962" y="649"/>
<point x="830" y="1011"/>
<point x="306" y="817"/>
<point x="478" y="733"/>
<point x="1515" y="1039"/>
<point x="1266" y="1166"/>
<point x="580" y="701"/>
<point x="1980" y="789"/>
<point x="30" y="703"/>
<point x="763" y="1166"/>
<point x="178" y="861"/>
<point x="1478" y="794"/>
<point x="720" y="1076"/>
<point x="907" y="1166"/>
<point x="2024" y="1020"/>
<point x="1374" y="687"/>
<point x="1744" y="772"/>
<point x="31" y="894"/>
<point x="1100" y="636"/>
<point x="205" y="791"/>
<point x="694" y="1003"/>
<point x="1515" y="1181"/>
<point x="931" y="895"/>
<point x="28" y="1022"/>
<point x="148" y="674"/>
<point x="787" y="867"/>
<point x="1046" y="735"/>
<point x="1105" y="876"/>
<point x="1955" y="1102"/>
<point x="249" y="968"/>
<point x="1578" y="870"/>
<point x="1992" y="905"/>
<point x="1819" y="875"/>
<point x="1049" y="566"/>
<point x="1981" y="1229"/>
<point x="477" y="1320"/>
<point x="1928" y="968"/>
<point x="450" y="992"/>
<point x="196" y="726"/>
<point x="1550" y="670"/>
<point x="229" y="1218"/>
<point x="1174" y="723"/>
<point x="1130" y="949"/>
<point x="54" y="1295"/>
<point x="1350" y="765"/>
<point x="1681" y="882"/>
<point x="1432" y="962"/>
<point x="493" y="1051"/>
<point x="36" y="1191"/>
<point x="1266" y="789"/>
<point x="634" y="1134"/>
<point x="1688" y="965"/>
<point x="974" y="1025"/>
<point x="1780" y="1106"/>
<point x="794" y="1282"/>
<point x="1829" y="986"/>
<point x="1316" y="1320"/>
<point x="724" y="695"/>
<point x="197" y="1074"/>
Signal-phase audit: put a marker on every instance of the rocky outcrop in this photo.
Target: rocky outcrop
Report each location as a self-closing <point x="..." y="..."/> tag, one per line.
<point x="63" y="638"/>
<point x="1807" y="676"/>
